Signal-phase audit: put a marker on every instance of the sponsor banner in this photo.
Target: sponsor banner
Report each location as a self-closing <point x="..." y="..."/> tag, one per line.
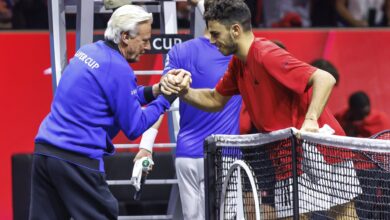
<point x="161" y="44"/>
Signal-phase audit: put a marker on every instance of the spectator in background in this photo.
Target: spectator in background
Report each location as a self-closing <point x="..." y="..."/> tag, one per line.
<point x="30" y="14"/>
<point x="183" y="14"/>
<point x="364" y="13"/>
<point x="323" y="13"/>
<point x="5" y="14"/>
<point x="327" y="66"/>
<point x="286" y="13"/>
<point x="114" y="4"/>
<point x="253" y="7"/>
<point x="360" y="120"/>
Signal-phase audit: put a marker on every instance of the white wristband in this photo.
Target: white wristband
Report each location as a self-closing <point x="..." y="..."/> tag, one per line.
<point x="200" y="6"/>
<point x="147" y="140"/>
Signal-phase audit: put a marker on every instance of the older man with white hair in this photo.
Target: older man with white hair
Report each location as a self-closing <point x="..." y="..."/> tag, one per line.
<point x="97" y="96"/>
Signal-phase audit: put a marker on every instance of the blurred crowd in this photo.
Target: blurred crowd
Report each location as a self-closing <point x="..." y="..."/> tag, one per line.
<point x="33" y="14"/>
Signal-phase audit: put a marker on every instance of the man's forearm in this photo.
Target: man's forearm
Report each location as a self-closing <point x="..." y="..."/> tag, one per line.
<point x="345" y="14"/>
<point x="204" y="99"/>
<point x="322" y="83"/>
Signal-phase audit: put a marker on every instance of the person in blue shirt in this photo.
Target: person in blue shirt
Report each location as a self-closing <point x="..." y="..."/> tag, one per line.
<point x="97" y="96"/>
<point x="206" y="65"/>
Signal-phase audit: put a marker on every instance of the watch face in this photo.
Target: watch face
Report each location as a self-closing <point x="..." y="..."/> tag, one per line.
<point x="145" y="163"/>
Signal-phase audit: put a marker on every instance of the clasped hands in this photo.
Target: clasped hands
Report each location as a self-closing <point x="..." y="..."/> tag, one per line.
<point x="175" y="82"/>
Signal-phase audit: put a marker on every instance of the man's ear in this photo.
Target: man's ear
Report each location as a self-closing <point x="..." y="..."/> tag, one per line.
<point x="125" y="37"/>
<point x="235" y="30"/>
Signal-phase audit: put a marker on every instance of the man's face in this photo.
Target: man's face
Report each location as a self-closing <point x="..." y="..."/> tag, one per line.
<point x="359" y="114"/>
<point x="222" y="38"/>
<point x="138" y="44"/>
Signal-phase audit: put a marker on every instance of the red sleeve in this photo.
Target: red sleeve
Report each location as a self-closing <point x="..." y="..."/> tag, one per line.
<point x="287" y="70"/>
<point x="227" y="85"/>
<point x="376" y="122"/>
<point x="385" y="121"/>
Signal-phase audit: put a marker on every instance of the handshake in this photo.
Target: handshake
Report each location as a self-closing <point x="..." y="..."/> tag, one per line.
<point x="175" y="82"/>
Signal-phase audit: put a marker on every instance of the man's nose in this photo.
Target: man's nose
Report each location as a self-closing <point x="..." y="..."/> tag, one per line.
<point x="147" y="45"/>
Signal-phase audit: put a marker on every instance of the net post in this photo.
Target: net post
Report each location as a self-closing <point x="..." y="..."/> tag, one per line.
<point x="295" y="176"/>
<point x="209" y="149"/>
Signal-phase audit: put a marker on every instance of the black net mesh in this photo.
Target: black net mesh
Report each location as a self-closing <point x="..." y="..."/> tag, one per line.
<point x="315" y="177"/>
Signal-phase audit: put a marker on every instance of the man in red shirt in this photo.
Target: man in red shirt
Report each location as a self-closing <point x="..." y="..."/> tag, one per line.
<point x="278" y="90"/>
<point x="360" y="120"/>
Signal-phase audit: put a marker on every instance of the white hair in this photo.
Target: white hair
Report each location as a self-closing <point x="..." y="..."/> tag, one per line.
<point x="125" y="19"/>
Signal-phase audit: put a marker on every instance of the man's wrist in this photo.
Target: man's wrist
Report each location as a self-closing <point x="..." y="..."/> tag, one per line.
<point x="147" y="140"/>
<point x="311" y="116"/>
<point x="183" y="92"/>
<point x="156" y="88"/>
<point x="146" y="150"/>
<point x="170" y="98"/>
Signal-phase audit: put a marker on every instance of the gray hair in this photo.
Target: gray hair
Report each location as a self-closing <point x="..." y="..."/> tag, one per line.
<point x="125" y="19"/>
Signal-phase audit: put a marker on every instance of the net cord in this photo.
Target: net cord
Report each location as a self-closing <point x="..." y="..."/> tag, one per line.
<point x="251" y="139"/>
<point x="362" y="144"/>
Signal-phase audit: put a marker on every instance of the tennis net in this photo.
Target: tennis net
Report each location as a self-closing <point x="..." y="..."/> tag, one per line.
<point x="278" y="176"/>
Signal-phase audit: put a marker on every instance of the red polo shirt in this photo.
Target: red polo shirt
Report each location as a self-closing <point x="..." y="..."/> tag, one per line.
<point x="375" y="122"/>
<point x="272" y="84"/>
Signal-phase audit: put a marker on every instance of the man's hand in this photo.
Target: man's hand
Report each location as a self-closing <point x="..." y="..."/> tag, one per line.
<point x="175" y="81"/>
<point x="142" y="153"/>
<point x="310" y="125"/>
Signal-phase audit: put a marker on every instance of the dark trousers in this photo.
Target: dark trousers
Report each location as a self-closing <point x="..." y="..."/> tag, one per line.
<point x="61" y="190"/>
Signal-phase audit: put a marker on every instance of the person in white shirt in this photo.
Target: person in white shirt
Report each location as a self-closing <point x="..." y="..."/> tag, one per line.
<point x="364" y="13"/>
